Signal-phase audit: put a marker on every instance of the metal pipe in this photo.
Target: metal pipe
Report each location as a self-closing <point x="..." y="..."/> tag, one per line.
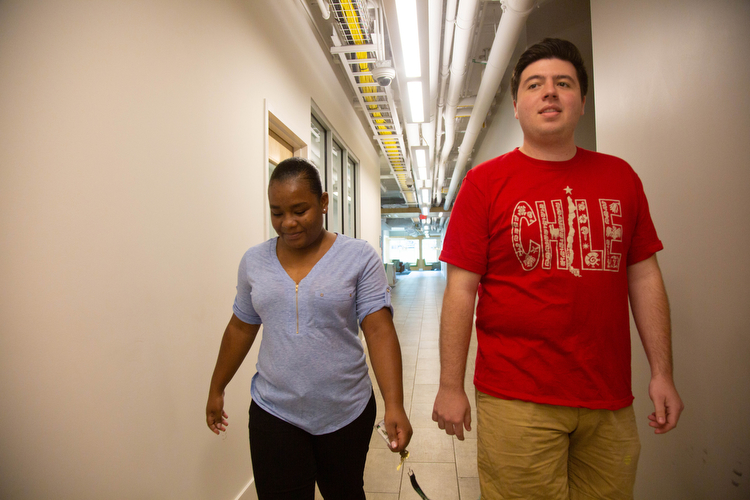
<point x="461" y="45"/>
<point x="511" y="24"/>
<point x="323" y="4"/>
<point x="450" y="20"/>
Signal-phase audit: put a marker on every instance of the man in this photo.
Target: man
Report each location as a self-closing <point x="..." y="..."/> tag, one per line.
<point x="555" y="239"/>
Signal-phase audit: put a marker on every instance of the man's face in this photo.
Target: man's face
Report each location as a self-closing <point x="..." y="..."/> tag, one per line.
<point x="549" y="102"/>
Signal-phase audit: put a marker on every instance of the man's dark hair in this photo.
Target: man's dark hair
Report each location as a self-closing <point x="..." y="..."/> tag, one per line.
<point x="551" y="48"/>
<point x="298" y="168"/>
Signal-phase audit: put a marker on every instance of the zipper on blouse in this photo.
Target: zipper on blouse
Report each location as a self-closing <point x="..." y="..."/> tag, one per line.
<point x="296" y="303"/>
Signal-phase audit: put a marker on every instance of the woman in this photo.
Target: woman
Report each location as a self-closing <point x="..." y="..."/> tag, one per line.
<point x="313" y="408"/>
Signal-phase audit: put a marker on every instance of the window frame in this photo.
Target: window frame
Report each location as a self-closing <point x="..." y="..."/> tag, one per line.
<point x="346" y="155"/>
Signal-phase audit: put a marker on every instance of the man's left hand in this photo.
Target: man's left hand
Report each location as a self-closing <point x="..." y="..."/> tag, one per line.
<point x="667" y="404"/>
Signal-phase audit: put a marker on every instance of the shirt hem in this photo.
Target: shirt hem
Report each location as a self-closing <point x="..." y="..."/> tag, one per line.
<point x="315" y="432"/>
<point x="550" y="400"/>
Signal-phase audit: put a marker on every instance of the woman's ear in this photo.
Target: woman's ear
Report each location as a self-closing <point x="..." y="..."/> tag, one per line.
<point x="324" y="202"/>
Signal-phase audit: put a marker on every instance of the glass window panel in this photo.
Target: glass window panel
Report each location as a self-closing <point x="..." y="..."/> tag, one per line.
<point x="335" y="214"/>
<point x="405" y="250"/>
<point x="318" y="148"/>
<point x="271" y="230"/>
<point x="351" y="210"/>
<point x="430" y="250"/>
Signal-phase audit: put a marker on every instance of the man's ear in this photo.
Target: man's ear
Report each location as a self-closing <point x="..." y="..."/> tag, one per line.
<point x="583" y="105"/>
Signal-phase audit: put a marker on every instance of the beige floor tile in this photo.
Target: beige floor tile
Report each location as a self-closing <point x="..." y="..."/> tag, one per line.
<point x="427" y="376"/>
<point x="428" y="353"/>
<point x="408" y="373"/>
<point x="407" y="402"/>
<point x="431" y="445"/>
<point x="466" y="457"/>
<point x="409" y="355"/>
<point x="429" y="364"/>
<point x="429" y="344"/>
<point x="437" y="481"/>
<point x="381" y="475"/>
<point x="421" y="416"/>
<point x="468" y="487"/>
<point x="381" y="496"/>
<point x="408" y="339"/>
<point x="424" y="393"/>
<point x="430" y="333"/>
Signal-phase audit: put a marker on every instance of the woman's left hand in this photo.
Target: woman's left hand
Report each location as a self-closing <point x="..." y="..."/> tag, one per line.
<point x="399" y="429"/>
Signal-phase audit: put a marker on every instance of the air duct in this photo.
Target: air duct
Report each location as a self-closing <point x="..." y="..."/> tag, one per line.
<point x="511" y="23"/>
<point x="461" y="45"/>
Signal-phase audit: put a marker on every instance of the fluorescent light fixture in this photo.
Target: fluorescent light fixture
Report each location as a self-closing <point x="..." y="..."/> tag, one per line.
<point x="421" y="155"/>
<point x="398" y="228"/>
<point x="415" y="101"/>
<point x="422" y="173"/>
<point x="408" y="28"/>
<point x="425" y="196"/>
<point x="425" y="210"/>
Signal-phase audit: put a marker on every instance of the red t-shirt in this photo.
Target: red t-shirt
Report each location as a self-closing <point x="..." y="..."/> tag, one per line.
<point x="552" y="241"/>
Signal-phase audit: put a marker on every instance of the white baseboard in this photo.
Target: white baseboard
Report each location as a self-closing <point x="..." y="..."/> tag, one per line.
<point x="248" y="492"/>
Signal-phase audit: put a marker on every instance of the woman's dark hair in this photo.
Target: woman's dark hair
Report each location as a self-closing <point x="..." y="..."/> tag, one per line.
<point x="298" y="168"/>
<point x="551" y="48"/>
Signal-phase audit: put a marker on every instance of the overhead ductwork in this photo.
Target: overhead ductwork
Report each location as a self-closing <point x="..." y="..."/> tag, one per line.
<point x="512" y="23"/>
<point x="464" y="30"/>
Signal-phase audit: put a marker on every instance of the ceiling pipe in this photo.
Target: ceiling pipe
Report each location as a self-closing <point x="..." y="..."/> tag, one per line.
<point x="428" y="127"/>
<point x="465" y="16"/>
<point x="515" y="13"/>
<point x="436" y="24"/>
<point x="450" y="20"/>
<point x="323" y="4"/>
<point x="428" y="135"/>
<point x="412" y="139"/>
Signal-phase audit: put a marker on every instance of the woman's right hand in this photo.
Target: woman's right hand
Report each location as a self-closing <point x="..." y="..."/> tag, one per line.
<point x="216" y="417"/>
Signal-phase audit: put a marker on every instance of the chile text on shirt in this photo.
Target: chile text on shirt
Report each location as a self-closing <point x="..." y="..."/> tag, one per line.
<point x="551" y="227"/>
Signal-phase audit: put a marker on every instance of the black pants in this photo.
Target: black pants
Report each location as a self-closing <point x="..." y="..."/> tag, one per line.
<point x="287" y="461"/>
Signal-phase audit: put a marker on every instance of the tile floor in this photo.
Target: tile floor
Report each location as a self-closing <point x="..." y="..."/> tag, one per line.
<point x="445" y="467"/>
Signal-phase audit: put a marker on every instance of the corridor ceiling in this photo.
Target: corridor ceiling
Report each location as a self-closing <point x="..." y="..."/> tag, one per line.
<point x="464" y="71"/>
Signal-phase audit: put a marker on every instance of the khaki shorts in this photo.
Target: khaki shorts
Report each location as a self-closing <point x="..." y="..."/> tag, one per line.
<point x="534" y="451"/>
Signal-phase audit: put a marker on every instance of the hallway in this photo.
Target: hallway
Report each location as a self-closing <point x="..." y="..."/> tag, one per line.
<point x="444" y="466"/>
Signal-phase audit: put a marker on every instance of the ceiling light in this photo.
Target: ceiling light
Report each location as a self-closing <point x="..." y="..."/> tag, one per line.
<point x="415" y="101"/>
<point x="409" y="31"/>
<point x="422" y="173"/>
<point x="425" y="210"/>
<point x="425" y="196"/>
<point x="421" y="155"/>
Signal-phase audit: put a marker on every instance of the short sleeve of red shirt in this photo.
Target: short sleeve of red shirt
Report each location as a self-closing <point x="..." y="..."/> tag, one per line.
<point x="645" y="241"/>
<point x="467" y="247"/>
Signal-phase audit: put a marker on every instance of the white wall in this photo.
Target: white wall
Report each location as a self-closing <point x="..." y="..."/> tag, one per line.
<point x="671" y="96"/>
<point x="131" y="182"/>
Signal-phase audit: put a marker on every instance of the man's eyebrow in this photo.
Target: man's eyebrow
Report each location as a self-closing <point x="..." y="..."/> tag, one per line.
<point x="554" y="77"/>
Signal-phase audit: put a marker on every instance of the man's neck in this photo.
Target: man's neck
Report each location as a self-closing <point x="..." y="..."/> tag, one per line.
<point x="549" y="152"/>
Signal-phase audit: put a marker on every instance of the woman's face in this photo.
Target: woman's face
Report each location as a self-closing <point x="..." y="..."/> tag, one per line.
<point x="296" y="212"/>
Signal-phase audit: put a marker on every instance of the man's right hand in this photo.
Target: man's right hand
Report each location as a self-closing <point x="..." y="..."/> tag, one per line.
<point x="452" y="411"/>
